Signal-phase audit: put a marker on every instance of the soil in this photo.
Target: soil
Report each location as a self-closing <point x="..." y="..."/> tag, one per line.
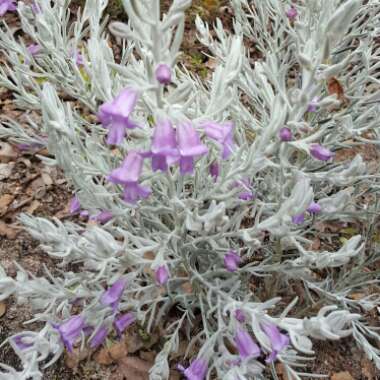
<point x="32" y="187"/>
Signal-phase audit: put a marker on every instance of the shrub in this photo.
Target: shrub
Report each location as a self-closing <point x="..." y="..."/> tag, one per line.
<point x="206" y="196"/>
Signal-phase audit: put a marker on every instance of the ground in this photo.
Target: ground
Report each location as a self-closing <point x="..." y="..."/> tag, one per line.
<point x="27" y="185"/>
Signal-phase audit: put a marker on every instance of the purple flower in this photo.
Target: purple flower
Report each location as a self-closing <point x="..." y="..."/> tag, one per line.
<point x="102" y="217"/>
<point x="314" y="208"/>
<point x="247" y="193"/>
<point x="214" y="170"/>
<point x="111" y="297"/>
<point x="239" y="315"/>
<point x="21" y="343"/>
<point x="33" y="49"/>
<point x="312" y="107"/>
<point x="285" y="134"/>
<point x="163" y="73"/>
<point x="79" y="60"/>
<point x="36" y="8"/>
<point x="121" y="323"/>
<point x="292" y="13"/>
<point x="298" y="219"/>
<point x="278" y="340"/>
<point x="320" y="153"/>
<point x="162" y="275"/>
<point x="232" y="261"/>
<point x="74" y="205"/>
<point x="99" y="337"/>
<point x="7" y="6"/>
<point x="246" y="346"/>
<point x="128" y="175"/>
<point x="190" y="147"/>
<point x="114" y="115"/>
<point x="223" y="134"/>
<point x="164" y="145"/>
<point x="70" y="331"/>
<point x="196" y="371"/>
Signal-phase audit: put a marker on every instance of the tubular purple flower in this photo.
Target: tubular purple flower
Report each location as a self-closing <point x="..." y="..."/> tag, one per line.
<point x="121" y="323"/>
<point x="320" y="153"/>
<point x="36" y="8"/>
<point x="114" y="115"/>
<point x="223" y="134"/>
<point x="245" y="345"/>
<point x="313" y="105"/>
<point x="164" y="145"/>
<point x="128" y="174"/>
<point x="292" y="13"/>
<point x="7" y="6"/>
<point x="190" y="147"/>
<point x="70" y="331"/>
<point x="214" y="170"/>
<point x="74" y="205"/>
<point x="232" y="261"/>
<point x="298" y="219"/>
<point x="162" y="275"/>
<point x="163" y="73"/>
<point x="285" y="134"/>
<point x="239" y="315"/>
<point x="247" y="193"/>
<point x="33" y="49"/>
<point x="314" y="208"/>
<point x="102" y="217"/>
<point x="278" y="340"/>
<point x="19" y="341"/>
<point x="111" y="297"/>
<point x="99" y="337"/>
<point x="196" y="371"/>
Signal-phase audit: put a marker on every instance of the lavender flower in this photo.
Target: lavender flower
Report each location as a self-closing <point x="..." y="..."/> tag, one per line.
<point x="223" y="134"/>
<point x="278" y="340"/>
<point x="298" y="219"/>
<point x="190" y="147"/>
<point x="33" y="49"/>
<point x="239" y="315"/>
<point x="128" y="175"/>
<point x="114" y="115"/>
<point x="164" y="145"/>
<point x="214" y="170"/>
<point x="121" y="323"/>
<point x="111" y="297"/>
<point x="70" y="331"/>
<point x="36" y="8"/>
<point x="320" y="153"/>
<point x="292" y="13"/>
<point x="314" y="208"/>
<point x="247" y="193"/>
<point x="163" y="73"/>
<point x="313" y="105"/>
<point x="99" y="337"/>
<point x="74" y="205"/>
<point x="162" y="275"/>
<point x="285" y="134"/>
<point x="7" y="6"/>
<point x="245" y="344"/>
<point x="102" y="217"/>
<point x="196" y="371"/>
<point x="21" y="343"/>
<point x="232" y="261"/>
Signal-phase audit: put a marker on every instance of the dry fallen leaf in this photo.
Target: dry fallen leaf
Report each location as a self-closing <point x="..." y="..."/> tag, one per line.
<point x="118" y="351"/>
<point x="8" y="231"/>
<point x="342" y="376"/>
<point x="5" y="201"/>
<point x="3" y="308"/>
<point x="103" y="357"/>
<point x="135" y="368"/>
<point x="7" y="152"/>
<point x="280" y="369"/>
<point x="368" y="369"/>
<point x="334" y="87"/>
<point x="33" y="207"/>
<point x="73" y="359"/>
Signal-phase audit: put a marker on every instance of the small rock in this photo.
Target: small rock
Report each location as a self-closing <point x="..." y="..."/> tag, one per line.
<point x="7" y="152"/>
<point x="342" y="376"/>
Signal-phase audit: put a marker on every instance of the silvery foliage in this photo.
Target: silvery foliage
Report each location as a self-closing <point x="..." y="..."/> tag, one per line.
<point x="189" y="223"/>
